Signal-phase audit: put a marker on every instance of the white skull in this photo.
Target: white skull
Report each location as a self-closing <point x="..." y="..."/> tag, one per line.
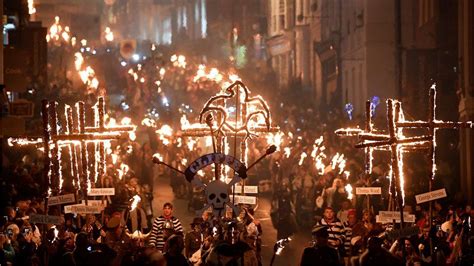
<point x="217" y="194"/>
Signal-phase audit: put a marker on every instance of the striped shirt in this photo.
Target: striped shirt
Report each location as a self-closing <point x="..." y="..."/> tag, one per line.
<point x="348" y="238"/>
<point x="335" y="230"/>
<point x="156" y="235"/>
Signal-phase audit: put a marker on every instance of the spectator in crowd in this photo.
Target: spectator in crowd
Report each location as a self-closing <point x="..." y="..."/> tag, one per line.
<point x="335" y="229"/>
<point x="321" y="252"/>
<point x="164" y="226"/>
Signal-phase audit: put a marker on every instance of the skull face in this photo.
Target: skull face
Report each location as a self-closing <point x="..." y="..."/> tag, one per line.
<point x="217" y="194"/>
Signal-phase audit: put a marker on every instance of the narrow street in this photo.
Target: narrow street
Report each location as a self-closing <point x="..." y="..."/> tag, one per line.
<point x="291" y="254"/>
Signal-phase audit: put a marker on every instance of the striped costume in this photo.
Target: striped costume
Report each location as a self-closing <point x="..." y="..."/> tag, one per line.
<point x="335" y="230"/>
<point x="156" y="236"/>
<point x="348" y="238"/>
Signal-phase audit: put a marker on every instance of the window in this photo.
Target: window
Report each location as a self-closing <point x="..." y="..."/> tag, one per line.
<point x="278" y="16"/>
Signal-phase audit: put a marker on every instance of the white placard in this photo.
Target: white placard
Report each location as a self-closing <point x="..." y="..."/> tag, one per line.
<point x="101" y="191"/>
<point x="68" y="208"/>
<point x="368" y="190"/>
<point x="62" y="199"/>
<point x="45" y="219"/>
<point x="98" y="203"/>
<point x="245" y="199"/>
<point x="86" y="209"/>
<point x="247" y="189"/>
<point x="429" y="196"/>
<point x="389" y="216"/>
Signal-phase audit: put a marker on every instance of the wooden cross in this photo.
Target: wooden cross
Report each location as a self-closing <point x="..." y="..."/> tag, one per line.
<point x="357" y="131"/>
<point x="73" y="137"/>
<point x="433" y="124"/>
<point x="244" y="126"/>
<point x="394" y="141"/>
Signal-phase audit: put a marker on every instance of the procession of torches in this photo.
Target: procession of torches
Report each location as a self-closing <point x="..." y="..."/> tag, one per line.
<point x="228" y="120"/>
<point x="233" y="125"/>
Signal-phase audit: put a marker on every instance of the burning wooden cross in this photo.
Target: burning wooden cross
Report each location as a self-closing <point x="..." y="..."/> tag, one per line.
<point x="246" y="125"/>
<point x="74" y="136"/>
<point x="357" y="131"/>
<point x="433" y="124"/>
<point x="252" y="116"/>
<point x="394" y="141"/>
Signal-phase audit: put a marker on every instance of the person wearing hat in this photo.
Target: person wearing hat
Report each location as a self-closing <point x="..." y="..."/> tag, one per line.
<point x="164" y="226"/>
<point x="116" y="237"/>
<point x="193" y="239"/>
<point x="320" y="253"/>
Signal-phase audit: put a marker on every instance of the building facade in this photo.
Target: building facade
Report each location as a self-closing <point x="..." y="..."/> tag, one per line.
<point x="466" y="94"/>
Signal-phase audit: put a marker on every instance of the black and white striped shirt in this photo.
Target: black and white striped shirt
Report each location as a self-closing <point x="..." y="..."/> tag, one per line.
<point x="156" y="235"/>
<point x="348" y="238"/>
<point x="335" y="230"/>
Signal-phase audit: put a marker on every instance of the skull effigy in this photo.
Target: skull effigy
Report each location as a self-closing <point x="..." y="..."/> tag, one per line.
<point x="217" y="194"/>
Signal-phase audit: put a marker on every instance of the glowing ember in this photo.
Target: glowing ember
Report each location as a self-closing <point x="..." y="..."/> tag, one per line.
<point x="158" y="156"/>
<point x="165" y="133"/>
<point x="338" y="162"/>
<point x="178" y="60"/>
<point x="302" y="157"/>
<point x="132" y="136"/>
<point x="109" y="35"/>
<point x="79" y="60"/>
<point x="31" y="7"/>
<point x="148" y="122"/>
<point x="348" y="189"/>
<point x="126" y="121"/>
<point x="135" y="200"/>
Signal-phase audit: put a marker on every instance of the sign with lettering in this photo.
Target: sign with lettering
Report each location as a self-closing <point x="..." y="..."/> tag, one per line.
<point x="45" y="219"/>
<point x="62" y="199"/>
<point x="80" y="208"/>
<point x="429" y="196"/>
<point x="405" y="232"/>
<point x="98" y="203"/>
<point x="68" y="208"/>
<point x="212" y="158"/>
<point x="245" y="199"/>
<point x="107" y="191"/>
<point x="247" y="189"/>
<point x="390" y="216"/>
<point x="368" y="190"/>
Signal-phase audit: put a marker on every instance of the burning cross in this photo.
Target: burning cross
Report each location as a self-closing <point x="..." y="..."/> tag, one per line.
<point x="397" y="143"/>
<point x="76" y="135"/>
<point x="356" y="131"/>
<point x="394" y="141"/>
<point x="247" y="110"/>
<point x="433" y="125"/>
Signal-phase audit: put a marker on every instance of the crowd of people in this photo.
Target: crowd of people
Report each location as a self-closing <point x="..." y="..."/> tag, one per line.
<point x="313" y="176"/>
